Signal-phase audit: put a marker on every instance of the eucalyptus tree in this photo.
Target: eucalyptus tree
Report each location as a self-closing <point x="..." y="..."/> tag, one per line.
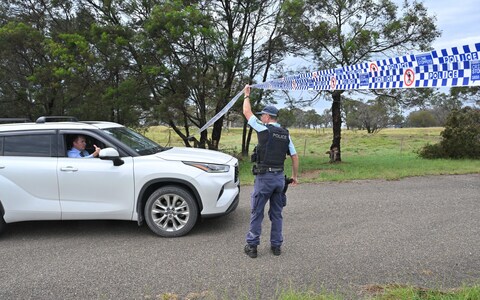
<point x="347" y="32"/>
<point x="29" y="84"/>
<point x="16" y="69"/>
<point x="137" y="62"/>
<point x="211" y="49"/>
<point x="468" y="95"/>
<point x="37" y="64"/>
<point x="68" y="57"/>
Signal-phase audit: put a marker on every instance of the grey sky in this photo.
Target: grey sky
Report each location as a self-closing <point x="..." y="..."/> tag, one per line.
<point x="458" y="20"/>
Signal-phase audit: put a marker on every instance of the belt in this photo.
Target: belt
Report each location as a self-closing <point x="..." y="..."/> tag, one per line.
<point x="265" y="170"/>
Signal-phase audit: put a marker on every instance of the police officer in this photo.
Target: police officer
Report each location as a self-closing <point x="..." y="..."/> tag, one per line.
<point x="274" y="144"/>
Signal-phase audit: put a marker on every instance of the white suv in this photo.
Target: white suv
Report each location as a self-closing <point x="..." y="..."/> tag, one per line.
<point x="132" y="179"/>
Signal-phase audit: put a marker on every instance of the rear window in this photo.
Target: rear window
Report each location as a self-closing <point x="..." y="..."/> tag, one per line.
<point x="37" y="145"/>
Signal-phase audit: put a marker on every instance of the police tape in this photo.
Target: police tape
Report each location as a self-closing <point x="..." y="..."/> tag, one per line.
<point x="457" y="66"/>
<point x="221" y="113"/>
<point x="452" y="67"/>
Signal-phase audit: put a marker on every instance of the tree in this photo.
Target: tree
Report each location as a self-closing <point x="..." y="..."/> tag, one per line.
<point x="351" y="113"/>
<point x="326" y="118"/>
<point x="148" y="62"/>
<point x="442" y="105"/>
<point x="421" y="118"/>
<point x="208" y="47"/>
<point x="467" y="94"/>
<point x="374" y="116"/>
<point x="397" y="120"/>
<point x="71" y="59"/>
<point x="313" y="119"/>
<point x="288" y="117"/>
<point x="460" y="138"/>
<point x="341" y="33"/>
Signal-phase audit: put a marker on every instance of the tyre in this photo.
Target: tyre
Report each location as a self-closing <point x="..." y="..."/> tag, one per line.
<point x="2" y="224"/>
<point x="171" y="211"/>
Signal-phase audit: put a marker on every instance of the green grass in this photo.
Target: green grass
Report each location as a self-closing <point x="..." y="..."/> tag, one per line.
<point x="392" y="292"/>
<point x="371" y="292"/>
<point x="395" y="292"/>
<point x="389" y="154"/>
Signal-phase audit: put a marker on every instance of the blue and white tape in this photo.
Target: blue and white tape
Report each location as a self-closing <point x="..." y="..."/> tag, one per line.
<point x="221" y="113"/>
<point x="458" y="66"/>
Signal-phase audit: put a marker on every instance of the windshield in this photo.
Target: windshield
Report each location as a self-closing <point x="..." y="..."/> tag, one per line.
<point x="134" y="140"/>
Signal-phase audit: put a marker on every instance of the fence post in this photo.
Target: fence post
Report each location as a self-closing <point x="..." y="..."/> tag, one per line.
<point x="305" y="147"/>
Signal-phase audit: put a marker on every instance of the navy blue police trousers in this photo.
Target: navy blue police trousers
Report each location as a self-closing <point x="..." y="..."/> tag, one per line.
<point x="268" y="186"/>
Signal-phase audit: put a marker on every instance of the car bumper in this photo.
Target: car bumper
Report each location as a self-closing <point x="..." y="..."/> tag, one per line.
<point x="231" y="208"/>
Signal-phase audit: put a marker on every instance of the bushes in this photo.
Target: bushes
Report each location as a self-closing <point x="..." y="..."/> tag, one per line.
<point x="460" y="138"/>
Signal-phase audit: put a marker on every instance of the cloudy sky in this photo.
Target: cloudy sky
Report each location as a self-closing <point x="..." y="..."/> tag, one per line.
<point x="458" y="20"/>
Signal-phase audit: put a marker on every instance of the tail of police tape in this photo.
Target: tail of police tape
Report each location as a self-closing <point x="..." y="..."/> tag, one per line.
<point x="457" y="66"/>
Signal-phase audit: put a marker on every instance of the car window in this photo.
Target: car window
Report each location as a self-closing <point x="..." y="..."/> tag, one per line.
<point x="88" y="139"/>
<point x="38" y="145"/>
<point x="134" y="140"/>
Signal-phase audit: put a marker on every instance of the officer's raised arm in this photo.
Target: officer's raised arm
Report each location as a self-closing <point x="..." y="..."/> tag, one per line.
<point x="247" y="108"/>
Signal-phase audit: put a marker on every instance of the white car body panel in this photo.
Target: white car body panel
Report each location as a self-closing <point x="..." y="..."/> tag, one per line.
<point x="94" y="188"/>
<point x="195" y="154"/>
<point x="29" y="188"/>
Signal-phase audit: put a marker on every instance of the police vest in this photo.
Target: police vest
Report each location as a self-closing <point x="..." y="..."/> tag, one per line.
<point x="272" y="147"/>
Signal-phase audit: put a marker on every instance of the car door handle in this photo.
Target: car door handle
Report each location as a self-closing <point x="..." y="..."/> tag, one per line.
<point x="68" y="169"/>
<point x="2" y="167"/>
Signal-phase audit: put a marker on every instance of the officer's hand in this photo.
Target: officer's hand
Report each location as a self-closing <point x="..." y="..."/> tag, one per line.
<point x="246" y="91"/>
<point x="294" y="181"/>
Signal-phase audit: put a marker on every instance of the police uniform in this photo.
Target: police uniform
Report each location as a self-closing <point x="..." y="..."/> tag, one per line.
<point x="274" y="143"/>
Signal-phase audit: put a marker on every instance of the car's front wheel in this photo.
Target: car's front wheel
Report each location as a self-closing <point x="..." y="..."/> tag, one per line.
<point x="171" y="211"/>
<point x="2" y="224"/>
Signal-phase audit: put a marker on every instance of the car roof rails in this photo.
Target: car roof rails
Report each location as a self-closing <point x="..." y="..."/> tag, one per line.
<point x="45" y="119"/>
<point x="14" y="120"/>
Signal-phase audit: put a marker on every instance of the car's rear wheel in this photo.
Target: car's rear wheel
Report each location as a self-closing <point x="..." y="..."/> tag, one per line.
<point x="171" y="211"/>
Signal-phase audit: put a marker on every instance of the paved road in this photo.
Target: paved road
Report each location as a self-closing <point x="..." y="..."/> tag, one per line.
<point x="341" y="237"/>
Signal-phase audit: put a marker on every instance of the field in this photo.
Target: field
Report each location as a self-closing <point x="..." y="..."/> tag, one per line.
<point x="389" y="154"/>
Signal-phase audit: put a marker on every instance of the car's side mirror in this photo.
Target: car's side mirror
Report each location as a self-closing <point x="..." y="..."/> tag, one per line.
<point x="111" y="154"/>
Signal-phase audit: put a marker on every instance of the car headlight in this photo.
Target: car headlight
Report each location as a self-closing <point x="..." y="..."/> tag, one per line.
<point x="210" y="168"/>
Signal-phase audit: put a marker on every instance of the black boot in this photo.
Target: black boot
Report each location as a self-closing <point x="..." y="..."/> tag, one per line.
<point x="276" y="250"/>
<point x="251" y="250"/>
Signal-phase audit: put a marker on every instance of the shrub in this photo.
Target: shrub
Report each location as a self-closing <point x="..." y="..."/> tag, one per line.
<point x="432" y="151"/>
<point x="460" y="138"/>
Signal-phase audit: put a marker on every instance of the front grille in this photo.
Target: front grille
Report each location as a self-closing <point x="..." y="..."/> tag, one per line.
<point x="237" y="171"/>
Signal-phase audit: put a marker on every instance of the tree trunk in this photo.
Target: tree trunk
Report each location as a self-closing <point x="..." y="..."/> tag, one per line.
<point x="244" y="139"/>
<point x="216" y="133"/>
<point x="335" y="153"/>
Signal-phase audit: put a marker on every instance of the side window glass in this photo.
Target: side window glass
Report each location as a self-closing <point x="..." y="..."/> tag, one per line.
<point x="38" y="145"/>
<point x="1" y="145"/>
<point x="90" y="142"/>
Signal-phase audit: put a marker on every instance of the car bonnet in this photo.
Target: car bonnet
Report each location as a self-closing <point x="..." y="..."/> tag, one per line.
<point x="195" y="154"/>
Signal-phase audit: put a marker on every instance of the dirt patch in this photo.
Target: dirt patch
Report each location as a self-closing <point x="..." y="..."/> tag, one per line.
<point x="375" y="290"/>
<point x="312" y="174"/>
